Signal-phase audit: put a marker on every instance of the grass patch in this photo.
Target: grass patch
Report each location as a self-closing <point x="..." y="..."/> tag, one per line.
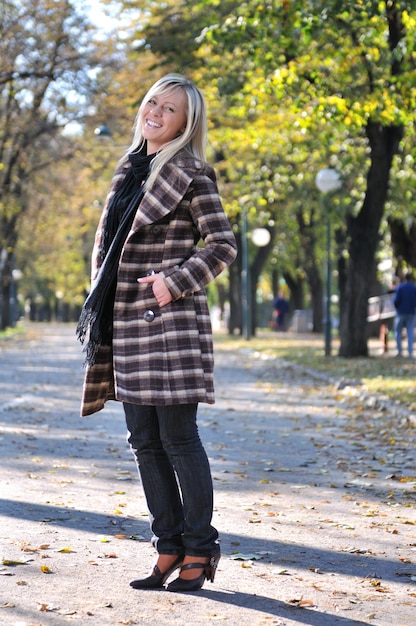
<point x="12" y="333"/>
<point x="381" y="373"/>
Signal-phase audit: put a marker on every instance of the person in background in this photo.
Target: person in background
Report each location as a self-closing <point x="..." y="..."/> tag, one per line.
<point x="281" y="309"/>
<point x="405" y="303"/>
<point x="146" y="326"/>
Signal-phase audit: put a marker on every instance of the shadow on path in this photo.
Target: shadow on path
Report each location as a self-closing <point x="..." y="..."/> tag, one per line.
<point x="278" y="608"/>
<point x="300" y="556"/>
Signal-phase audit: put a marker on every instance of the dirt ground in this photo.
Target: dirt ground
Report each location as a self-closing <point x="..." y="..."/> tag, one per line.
<point x="314" y="499"/>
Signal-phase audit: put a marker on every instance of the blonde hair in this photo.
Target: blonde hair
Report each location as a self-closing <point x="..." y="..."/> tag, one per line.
<point x="192" y="140"/>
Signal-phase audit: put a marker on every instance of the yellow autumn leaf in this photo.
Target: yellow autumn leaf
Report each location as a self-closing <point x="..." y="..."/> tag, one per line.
<point x="66" y="550"/>
<point x="45" y="569"/>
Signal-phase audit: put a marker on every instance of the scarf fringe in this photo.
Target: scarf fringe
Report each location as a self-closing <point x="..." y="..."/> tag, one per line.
<point x="89" y="335"/>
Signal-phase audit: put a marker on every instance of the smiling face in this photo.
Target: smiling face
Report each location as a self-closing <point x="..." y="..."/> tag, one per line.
<point x="163" y="118"/>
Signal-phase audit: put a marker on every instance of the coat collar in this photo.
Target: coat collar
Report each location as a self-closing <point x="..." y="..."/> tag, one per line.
<point x="172" y="184"/>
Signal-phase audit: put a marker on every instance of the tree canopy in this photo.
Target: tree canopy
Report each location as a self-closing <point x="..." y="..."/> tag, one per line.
<point x="339" y="74"/>
<point x="292" y="87"/>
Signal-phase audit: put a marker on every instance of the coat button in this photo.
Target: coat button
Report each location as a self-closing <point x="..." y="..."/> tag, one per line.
<point x="156" y="230"/>
<point x="149" y="315"/>
<point x="150" y="272"/>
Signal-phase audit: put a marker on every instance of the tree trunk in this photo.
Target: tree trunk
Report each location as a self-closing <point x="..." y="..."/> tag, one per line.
<point x="6" y="269"/>
<point x="307" y="232"/>
<point x="275" y="283"/>
<point x="316" y="291"/>
<point x="296" y="287"/>
<point x="403" y="240"/>
<point x="262" y="254"/>
<point x="342" y="266"/>
<point x="4" y="302"/>
<point x="235" y="320"/>
<point x="363" y="237"/>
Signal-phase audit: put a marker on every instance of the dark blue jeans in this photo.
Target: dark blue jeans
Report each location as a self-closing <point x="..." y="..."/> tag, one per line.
<point x="175" y="476"/>
<point x="406" y="321"/>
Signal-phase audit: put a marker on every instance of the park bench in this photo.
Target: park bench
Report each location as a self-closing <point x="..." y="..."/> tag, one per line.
<point x="381" y="312"/>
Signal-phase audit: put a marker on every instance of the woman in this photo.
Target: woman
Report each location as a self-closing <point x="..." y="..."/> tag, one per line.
<point x="146" y="324"/>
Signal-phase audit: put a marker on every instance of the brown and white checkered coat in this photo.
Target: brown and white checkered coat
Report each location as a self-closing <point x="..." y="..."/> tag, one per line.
<point x="168" y="360"/>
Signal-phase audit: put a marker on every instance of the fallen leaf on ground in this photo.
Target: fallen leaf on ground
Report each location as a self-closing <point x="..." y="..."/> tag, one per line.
<point x="66" y="550"/>
<point x="301" y="602"/>
<point x="44" y="607"/>
<point x="245" y="557"/>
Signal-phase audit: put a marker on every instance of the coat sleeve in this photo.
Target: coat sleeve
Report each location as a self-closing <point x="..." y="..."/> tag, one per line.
<point x="219" y="250"/>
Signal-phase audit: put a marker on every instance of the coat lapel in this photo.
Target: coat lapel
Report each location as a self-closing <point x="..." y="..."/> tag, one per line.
<point x="163" y="198"/>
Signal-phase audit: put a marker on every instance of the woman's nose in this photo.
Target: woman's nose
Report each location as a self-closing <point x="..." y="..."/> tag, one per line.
<point x="156" y="109"/>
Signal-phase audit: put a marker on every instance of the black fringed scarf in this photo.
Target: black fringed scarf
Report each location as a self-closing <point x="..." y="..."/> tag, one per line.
<point x="95" y="325"/>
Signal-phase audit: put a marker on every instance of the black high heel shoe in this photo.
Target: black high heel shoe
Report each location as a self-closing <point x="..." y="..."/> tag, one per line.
<point x="157" y="579"/>
<point x="194" y="584"/>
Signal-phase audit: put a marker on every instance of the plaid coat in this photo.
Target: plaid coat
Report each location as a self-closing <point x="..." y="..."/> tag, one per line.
<point x="164" y="355"/>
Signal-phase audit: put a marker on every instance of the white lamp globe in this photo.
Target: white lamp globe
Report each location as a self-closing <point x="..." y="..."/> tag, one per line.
<point x="260" y="237"/>
<point x="328" y="180"/>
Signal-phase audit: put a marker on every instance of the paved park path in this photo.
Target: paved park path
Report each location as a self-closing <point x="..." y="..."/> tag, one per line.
<point x="314" y="500"/>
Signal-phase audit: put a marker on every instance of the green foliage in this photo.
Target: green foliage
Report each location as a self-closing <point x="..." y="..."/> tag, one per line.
<point x="48" y="73"/>
<point x="291" y="88"/>
<point x="307" y="85"/>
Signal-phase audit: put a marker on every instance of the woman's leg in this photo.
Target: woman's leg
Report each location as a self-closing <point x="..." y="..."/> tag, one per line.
<point x="158" y="478"/>
<point x="181" y="442"/>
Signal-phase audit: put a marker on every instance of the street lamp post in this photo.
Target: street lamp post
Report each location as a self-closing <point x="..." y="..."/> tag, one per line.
<point x="3" y="259"/>
<point x="245" y="287"/>
<point x="260" y="237"/>
<point x="328" y="180"/>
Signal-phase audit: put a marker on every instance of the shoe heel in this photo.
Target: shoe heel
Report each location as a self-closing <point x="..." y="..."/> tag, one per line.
<point x="211" y="570"/>
<point x="194" y="584"/>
